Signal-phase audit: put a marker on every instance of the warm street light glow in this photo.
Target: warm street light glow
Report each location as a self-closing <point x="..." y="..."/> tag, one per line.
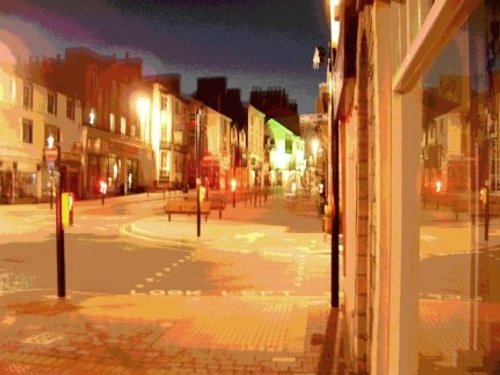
<point x="103" y="187"/>
<point x="315" y="148"/>
<point x="334" y="25"/>
<point x="439" y="186"/>
<point x="142" y="106"/>
<point x="50" y="141"/>
<point x="92" y="116"/>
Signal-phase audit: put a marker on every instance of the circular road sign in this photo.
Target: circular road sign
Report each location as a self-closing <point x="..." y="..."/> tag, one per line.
<point x="51" y="154"/>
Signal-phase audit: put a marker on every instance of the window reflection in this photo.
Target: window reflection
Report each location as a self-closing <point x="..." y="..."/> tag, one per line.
<point x="460" y="196"/>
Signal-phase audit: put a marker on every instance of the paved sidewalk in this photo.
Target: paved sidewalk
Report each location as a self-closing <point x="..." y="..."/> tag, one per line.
<point x="176" y="334"/>
<point x="101" y="334"/>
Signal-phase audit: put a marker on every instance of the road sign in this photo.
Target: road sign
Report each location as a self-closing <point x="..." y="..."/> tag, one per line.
<point x="51" y="154"/>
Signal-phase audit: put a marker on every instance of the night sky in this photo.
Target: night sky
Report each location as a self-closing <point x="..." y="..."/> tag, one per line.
<point x="251" y="42"/>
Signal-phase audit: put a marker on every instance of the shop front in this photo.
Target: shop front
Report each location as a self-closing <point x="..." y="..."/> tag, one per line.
<point x="115" y="162"/>
<point x="19" y="180"/>
<point x="459" y="221"/>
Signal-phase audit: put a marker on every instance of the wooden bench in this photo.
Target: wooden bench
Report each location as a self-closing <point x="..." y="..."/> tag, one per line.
<point x="217" y="203"/>
<point x="185" y="206"/>
<point x="155" y="189"/>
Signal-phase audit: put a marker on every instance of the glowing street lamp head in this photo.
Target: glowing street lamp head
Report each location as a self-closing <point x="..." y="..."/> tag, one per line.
<point x="438" y="186"/>
<point x="50" y="141"/>
<point x="103" y="187"/>
<point x="142" y="105"/>
<point x="315" y="146"/>
<point x="233" y="184"/>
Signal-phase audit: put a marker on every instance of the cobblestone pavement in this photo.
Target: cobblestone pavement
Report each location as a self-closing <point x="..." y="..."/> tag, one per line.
<point x="172" y="333"/>
<point x="123" y="334"/>
<point x="231" y="333"/>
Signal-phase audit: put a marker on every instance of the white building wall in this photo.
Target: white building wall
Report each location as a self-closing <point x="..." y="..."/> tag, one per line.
<point x="28" y="157"/>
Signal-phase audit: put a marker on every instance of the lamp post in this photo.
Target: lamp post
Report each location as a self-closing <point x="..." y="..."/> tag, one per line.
<point x="198" y="179"/>
<point x="103" y="188"/>
<point x="142" y="107"/>
<point x="53" y="157"/>
<point x="233" y="190"/>
<point x="333" y="181"/>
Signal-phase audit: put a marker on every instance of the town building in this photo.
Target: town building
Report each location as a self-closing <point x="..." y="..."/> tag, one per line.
<point x="169" y="131"/>
<point x="275" y="103"/>
<point x="255" y="150"/>
<point x="29" y="114"/>
<point x="117" y="144"/>
<point x="216" y="158"/>
<point x="314" y="132"/>
<point x="285" y="157"/>
<point x="414" y="98"/>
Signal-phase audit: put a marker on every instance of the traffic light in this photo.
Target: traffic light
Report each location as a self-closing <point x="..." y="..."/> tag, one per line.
<point x="438" y="186"/>
<point x="103" y="187"/>
<point x="483" y="196"/>
<point x="67" y="208"/>
<point x="202" y="193"/>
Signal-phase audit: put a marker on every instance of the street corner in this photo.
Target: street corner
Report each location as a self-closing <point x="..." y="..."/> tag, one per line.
<point x="136" y="307"/>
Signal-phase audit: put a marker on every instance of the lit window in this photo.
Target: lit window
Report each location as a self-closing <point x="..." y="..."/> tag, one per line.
<point x="92" y="116"/>
<point x="123" y="125"/>
<point x="111" y="122"/>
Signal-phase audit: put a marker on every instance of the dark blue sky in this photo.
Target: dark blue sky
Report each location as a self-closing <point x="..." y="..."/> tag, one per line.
<point x="251" y="42"/>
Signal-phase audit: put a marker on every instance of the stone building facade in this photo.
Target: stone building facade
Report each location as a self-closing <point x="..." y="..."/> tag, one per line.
<point x="390" y="55"/>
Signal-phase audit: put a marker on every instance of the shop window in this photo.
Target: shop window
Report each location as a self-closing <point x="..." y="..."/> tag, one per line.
<point x="459" y="203"/>
<point x="27" y="130"/>
<point x="26" y="184"/>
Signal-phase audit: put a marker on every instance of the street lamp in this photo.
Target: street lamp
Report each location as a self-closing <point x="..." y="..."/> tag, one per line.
<point x="142" y="107"/>
<point x="52" y="157"/>
<point x="233" y="190"/>
<point x="199" y="114"/>
<point x="333" y="183"/>
<point x="103" y="188"/>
